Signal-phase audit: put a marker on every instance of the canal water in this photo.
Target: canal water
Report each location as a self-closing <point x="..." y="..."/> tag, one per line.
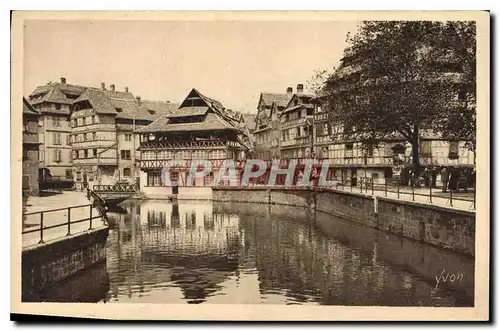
<point x="242" y="253"/>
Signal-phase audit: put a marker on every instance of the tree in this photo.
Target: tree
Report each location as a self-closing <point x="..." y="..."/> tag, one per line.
<point x="457" y="40"/>
<point x="396" y="80"/>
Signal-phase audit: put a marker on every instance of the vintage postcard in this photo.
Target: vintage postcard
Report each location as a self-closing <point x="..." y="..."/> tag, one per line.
<point x="251" y="165"/>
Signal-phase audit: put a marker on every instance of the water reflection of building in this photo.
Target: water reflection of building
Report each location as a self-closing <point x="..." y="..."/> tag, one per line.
<point x="165" y="245"/>
<point x="296" y="259"/>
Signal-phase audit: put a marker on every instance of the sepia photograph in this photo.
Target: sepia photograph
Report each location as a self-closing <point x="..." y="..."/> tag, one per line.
<point x="278" y="165"/>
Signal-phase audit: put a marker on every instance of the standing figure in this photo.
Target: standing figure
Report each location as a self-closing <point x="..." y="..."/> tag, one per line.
<point x="433" y="176"/>
<point x="427" y="176"/>
<point x="445" y="177"/>
<point x="454" y="174"/>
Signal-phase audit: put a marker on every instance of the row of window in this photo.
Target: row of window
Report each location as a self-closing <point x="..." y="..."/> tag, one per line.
<point x="155" y="179"/>
<point x="94" y="136"/>
<point x="294" y="115"/>
<point x="292" y="133"/>
<point x="125" y="154"/>
<point x="57" y="138"/>
<point x="184" y="155"/>
<point x="80" y="121"/>
<point x="89" y="176"/>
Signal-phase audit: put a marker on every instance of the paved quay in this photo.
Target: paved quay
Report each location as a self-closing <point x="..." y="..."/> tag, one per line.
<point x="47" y="203"/>
<point x="459" y="201"/>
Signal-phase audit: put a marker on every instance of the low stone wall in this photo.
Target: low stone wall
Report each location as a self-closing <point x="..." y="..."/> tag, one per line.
<point x="443" y="227"/>
<point x="46" y="264"/>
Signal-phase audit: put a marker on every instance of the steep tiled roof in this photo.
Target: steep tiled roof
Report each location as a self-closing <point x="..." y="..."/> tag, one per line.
<point x="98" y="100"/>
<point x="28" y="109"/>
<point x="56" y="92"/>
<point x="189" y="111"/>
<point x="281" y="99"/>
<point x="159" y="108"/>
<point x="212" y="122"/>
<point x="249" y="120"/>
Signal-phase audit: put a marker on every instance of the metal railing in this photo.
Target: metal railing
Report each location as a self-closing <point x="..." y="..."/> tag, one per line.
<point x="116" y="188"/>
<point x="431" y="192"/>
<point x="101" y="214"/>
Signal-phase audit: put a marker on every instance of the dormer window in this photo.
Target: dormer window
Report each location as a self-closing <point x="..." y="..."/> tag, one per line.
<point x="295" y="102"/>
<point x="118" y="110"/>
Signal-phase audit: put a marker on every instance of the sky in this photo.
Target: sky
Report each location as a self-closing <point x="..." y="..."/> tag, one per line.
<point x="231" y="61"/>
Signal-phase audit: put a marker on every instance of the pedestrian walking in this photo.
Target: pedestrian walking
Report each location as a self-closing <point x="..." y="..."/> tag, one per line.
<point x="427" y="176"/>
<point x="445" y="177"/>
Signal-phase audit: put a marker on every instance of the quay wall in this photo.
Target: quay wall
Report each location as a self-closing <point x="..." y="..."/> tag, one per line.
<point x="443" y="227"/>
<point x="46" y="264"/>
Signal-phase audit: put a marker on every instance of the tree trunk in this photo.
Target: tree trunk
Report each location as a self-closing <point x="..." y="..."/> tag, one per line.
<point x="415" y="152"/>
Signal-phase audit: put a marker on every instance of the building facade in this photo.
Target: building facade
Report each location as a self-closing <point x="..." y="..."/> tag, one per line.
<point x="30" y="185"/>
<point x="102" y="135"/>
<point x="350" y="160"/>
<point x="201" y="129"/>
<point x="53" y="102"/>
<point x="267" y="124"/>
<point x="296" y="126"/>
<point x="86" y="133"/>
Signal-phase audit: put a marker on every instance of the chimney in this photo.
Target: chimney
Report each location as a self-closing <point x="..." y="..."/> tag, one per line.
<point x="289" y="91"/>
<point x="103" y="86"/>
<point x="63" y="80"/>
<point x="126" y="89"/>
<point x="300" y="88"/>
<point x="112" y="87"/>
<point x="138" y="99"/>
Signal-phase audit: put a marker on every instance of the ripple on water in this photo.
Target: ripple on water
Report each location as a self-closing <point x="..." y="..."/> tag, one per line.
<point x="238" y="253"/>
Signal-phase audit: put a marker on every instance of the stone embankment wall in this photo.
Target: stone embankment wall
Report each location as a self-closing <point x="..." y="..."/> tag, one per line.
<point x="444" y="227"/>
<point x="46" y="264"/>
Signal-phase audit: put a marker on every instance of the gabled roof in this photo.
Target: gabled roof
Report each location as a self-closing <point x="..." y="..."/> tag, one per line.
<point x="212" y="122"/>
<point x="249" y="120"/>
<point x="28" y="108"/>
<point x="281" y="99"/>
<point x="159" y="108"/>
<point x="189" y="111"/>
<point x="56" y="92"/>
<point x="98" y="100"/>
<point x="214" y="117"/>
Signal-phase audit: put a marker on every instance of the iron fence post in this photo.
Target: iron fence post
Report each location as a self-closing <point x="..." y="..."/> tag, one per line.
<point x="372" y="186"/>
<point x="90" y="228"/>
<point x="413" y="192"/>
<point x="451" y="197"/>
<point x="398" y="190"/>
<point x="69" y="221"/>
<point x="385" y="187"/>
<point x="430" y="191"/>
<point x="41" y="228"/>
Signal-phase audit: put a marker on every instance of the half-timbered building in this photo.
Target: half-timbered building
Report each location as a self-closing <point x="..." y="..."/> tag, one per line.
<point x="201" y="129"/>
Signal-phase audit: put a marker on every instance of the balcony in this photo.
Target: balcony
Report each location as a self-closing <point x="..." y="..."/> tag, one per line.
<point x="93" y="144"/>
<point x="294" y="123"/>
<point x="111" y="161"/>
<point x="184" y="145"/>
<point x="93" y="127"/>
